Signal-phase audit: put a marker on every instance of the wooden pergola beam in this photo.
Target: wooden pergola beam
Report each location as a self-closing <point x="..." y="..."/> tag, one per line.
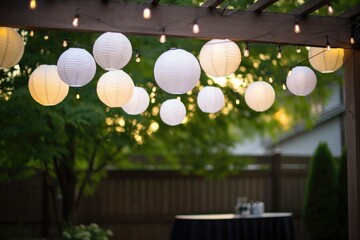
<point x="177" y="21"/>
<point x="354" y="12"/>
<point x="309" y="7"/>
<point x="260" y="5"/>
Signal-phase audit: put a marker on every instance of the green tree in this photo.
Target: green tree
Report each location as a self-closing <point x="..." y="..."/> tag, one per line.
<point x="321" y="196"/>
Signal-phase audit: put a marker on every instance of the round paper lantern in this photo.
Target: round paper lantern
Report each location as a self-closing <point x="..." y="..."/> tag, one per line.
<point x="301" y="81"/>
<point x="46" y="86"/>
<point x="326" y="61"/>
<point x="115" y="88"/>
<point x="210" y="99"/>
<point x="177" y="71"/>
<point x="172" y="112"/>
<point x="220" y="57"/>
<point x="138" y="102"/>
<point x="76" y="67"/>
<point x="259" y="96"/>
<point x="112" y="50"/>
<point x="11" y="47"/>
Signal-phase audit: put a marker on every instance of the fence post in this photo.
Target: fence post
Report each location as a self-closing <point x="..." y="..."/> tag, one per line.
<point x="276" y="181"/>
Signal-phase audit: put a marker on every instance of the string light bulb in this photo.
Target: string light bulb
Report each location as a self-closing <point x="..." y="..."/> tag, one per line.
<point x="196" y="28"/>
<point x="75" y="22"/>
<point x="31" y="33"/>
<point x="284" y="86"/>
<point x="352" y="40"/>
<point x="271" y="80"/>
<point x="77" y="95"/>
<point x="64" y="44"/>
<point x="298" y="49"/>
<point x="162" y="38"/>
<point x="279" y="54"/>
<point x="246" y="51"/>
<point x="330" y="9"/>
<point x="147" y="13"/>
<point x="297" y="28"/>
<point x="46" y="37"/>
<point x="328" y="47"/>
<point x="137" y="57"/>
<point x="32" y="4"/>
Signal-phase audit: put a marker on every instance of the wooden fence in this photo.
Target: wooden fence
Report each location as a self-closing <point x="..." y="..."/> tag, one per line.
<point x="139" y="205"/>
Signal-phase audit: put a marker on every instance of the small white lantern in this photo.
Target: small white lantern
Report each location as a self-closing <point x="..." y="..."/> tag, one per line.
<point x="211" y="99"/>
<point x="115" y="88"/>
<point x="259" y="96"/>
<point x="46" y="86"/>
<point x="301" y="81"/>
<point x="172" y="112"/>
<point x="11" y="47"/>
<point x="177" y="71"/>
<point x="76" y="67"/>
<point x="220" y="57"/>
<point x="138" y="103"/>
<point x="112" y="50"/>
<point x="326" y="61"/>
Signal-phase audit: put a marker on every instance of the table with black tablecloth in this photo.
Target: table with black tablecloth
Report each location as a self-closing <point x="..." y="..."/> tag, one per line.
<point x="268" y="226"/>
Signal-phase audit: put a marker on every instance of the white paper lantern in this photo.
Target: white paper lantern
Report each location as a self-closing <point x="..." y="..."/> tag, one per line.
<point x="177" y="71"/>
<point x="259" y="96"/>
<point x="138" y="102"/>
<point x="115" y="88"/>
<point x="46" y="86"/>
<point x="112" y="50"/>
<point x="301" y="81"/>
<point x="76" y="67"/>
<point x="11" y="47"/>
<point x="326" y="61"/>
<point x="220" y="57"/>
<point x="211" y="99"/>
<point x="172" y="112"/>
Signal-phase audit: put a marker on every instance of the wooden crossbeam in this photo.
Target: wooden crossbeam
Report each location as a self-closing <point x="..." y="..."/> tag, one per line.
<point x="126" y="17"/>
<point x="212" y="3"/>
<point x="354" y="12"/>
<point x="309" y="7"/>
<point x="260" y="5"/>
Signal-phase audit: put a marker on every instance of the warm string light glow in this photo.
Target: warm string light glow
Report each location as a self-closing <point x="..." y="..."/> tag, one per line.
<point x="64" y="44"/>
<point x="246" y="51"/>
<point x="352" y="40"/>
<point x="330" y="9"/>
<point x="137" y="57"/>
<point x="32" y="4"/>
<point x="46" y="37"/>
<point x="75" y="22"/>
<point x="196" y="28"/>
<point x="284" y="86"/>
<point x="271" y="80"/>
<point x="77" y="95"/>
<point x="147" y="13"/>
<point x="298" y="49"/>
<point x="328" y="47"/>
<point x="31" y="33"/>
<point x="279" y="54"/>
<point x="162" y="38"/>
<point x="297" y="27"/>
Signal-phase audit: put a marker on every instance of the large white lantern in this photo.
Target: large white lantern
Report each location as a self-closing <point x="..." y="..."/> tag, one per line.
<point x="326" y="61"/>
<point x="220" y="57"/>
<point x="112" y="50"/>
<point x="172" y="112"/>
<point x="259" y="96"/>
<point x="210" y="99"/>
<point x="76" y="67"/>
<point x="11" y="47"/>
<point x="46" y="86"/>
<point x="177" y="71"/>
<point x="138" y="102"/>
<point x="115" y="88"/>
<point x="301" y="81"/>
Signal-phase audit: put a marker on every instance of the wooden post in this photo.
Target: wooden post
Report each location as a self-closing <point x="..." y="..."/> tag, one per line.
<point x="45" y="208"/>
<point x="276" y="180"/>
<point x="352" y="138"/>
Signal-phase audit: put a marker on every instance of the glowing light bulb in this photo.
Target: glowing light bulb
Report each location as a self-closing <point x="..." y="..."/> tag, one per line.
<point x="77" y="96"/>
<point x="147" y="13"/>
<point x="162" y="38"/>
<point x="298" y="49"/>
<point x="289" y="73"/>
<point x="31" y="33"/>
<point x="137" y="58"/>
<point x="46" y="37"/>
<point x="297" y="28"/>
<point x="352" y="40"/>
<point x="75" y="22"/>
<point x="246" y="52"/>
<point x="284" y="86"/>
<point x="271" y="80"/>
<point x="330" y="9"/>
<point x="32" y="4"/>
<point x="279" y="54"/>
<point x="65" y="44"/>
<point x="196" y="28"/>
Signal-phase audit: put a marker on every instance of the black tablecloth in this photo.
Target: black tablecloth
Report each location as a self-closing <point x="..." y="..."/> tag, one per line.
<point x="254" y="228"/>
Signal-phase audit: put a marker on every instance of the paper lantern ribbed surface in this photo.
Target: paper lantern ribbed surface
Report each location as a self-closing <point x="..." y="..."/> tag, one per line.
<point x="76" y="67"/>
<point x="172" y="112"/>
<point x="326" y="61"/>
<point x="112" y="50"/>
<point x="259" y="96"/>
<point x="301" y="81"/>
<point x="11" y="47"/>
<point x="46" y="86"/>
<point x="115" y="88"/>
<point x="210" y="99"/>
<point x="138" y="102"/>
<point x="177" y="71"/>
<point x="220" y="57"/>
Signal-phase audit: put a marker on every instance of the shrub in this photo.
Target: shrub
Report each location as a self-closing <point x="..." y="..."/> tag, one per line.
<point x="89" y="232"/>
